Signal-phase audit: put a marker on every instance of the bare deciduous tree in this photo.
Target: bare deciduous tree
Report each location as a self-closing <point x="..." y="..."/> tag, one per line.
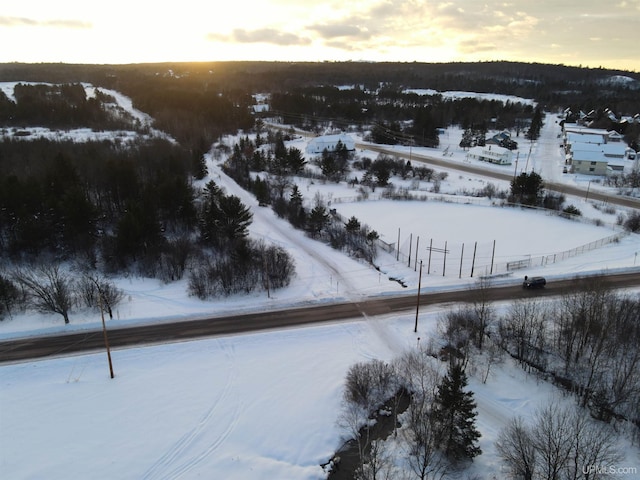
<point x="515" y="447"/>
<point x="562" y="442"/>
<point x="351" y="420"/>
<point x="594" y="444"/>
<point x="551" y="436"/>
<point x="50" y="289"/>
<point x="523" y="331"/>
<point x="484" y="311"/>
<point x="421" y="378"/>
<point x="379" y="464"/>
<point x="368" y="384"/>
<point x="97" y="292"/>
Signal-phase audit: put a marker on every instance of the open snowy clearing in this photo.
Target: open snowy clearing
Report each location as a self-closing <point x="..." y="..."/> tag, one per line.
<point x="264" y="405"/>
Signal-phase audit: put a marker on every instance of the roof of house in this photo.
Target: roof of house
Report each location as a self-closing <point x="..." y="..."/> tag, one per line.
<point x="586" y="138"/>
<point x="329" y="141"/>
<point x="617" y="149"/>
<point x="585" y="156"/>
<point x="575" y="128"/>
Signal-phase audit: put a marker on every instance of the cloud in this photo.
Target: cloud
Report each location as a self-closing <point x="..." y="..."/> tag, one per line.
<point x="262" y="35"/>
<point x="341" y="30"/>
<point x="30" y="22"/>
<point x="473" y="46"/>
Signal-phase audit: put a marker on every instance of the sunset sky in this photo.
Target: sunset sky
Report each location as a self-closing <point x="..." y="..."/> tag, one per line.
<point x="590" y="33"/>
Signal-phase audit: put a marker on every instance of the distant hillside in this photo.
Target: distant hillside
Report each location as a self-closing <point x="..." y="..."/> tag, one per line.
<point x="555" y="85"/>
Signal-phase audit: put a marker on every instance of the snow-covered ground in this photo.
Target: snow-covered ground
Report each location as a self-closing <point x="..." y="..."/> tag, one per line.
<point x="264" y="405"/>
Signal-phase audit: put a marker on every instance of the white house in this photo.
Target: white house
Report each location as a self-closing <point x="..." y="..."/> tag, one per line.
<point x="329" y="142"/>
<point x="492" y="154"/>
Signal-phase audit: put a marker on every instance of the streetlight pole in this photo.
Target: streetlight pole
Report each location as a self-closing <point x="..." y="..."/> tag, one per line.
<point x="415" y="329"/>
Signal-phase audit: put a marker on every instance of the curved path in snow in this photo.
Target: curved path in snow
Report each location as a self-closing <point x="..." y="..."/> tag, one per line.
<point x="58" y="345"/>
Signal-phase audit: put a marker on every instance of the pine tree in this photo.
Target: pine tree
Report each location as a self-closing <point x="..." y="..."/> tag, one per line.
<point x="297" y="214"/>
<point x="536" y="124"/>
<point x="353" y="225"/>
<point x="295" y="160"/>
<point x="318" y="220"/>
<point x="455" y="415"/>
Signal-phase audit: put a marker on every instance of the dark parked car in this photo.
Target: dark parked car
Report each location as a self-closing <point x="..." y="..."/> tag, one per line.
<point x="534" y="282"/>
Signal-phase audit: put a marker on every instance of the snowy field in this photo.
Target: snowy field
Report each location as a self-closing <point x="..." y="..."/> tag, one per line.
<point x="264" y="405"/>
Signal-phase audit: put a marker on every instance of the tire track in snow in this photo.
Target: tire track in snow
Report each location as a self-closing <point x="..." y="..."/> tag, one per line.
<point x="165" y="466"/>
<point x="493" y="416"/>
<point x="220" y="439"/>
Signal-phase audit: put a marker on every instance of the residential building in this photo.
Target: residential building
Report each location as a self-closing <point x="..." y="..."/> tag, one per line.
<point x="492" y="154"/>
<point x="589" y="163"/>
<point x="319" y="144"/>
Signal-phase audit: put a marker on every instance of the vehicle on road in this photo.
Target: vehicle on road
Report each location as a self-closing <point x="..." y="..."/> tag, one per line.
<point x="534" y="282"/>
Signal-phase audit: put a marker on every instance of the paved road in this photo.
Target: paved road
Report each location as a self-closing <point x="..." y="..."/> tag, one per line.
<point x="463" y="167"/>
<point x="66" y="344"/>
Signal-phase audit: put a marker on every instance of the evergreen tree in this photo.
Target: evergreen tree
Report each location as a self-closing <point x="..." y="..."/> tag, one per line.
<point x="342" y="153"/>
<point x="295" y="160"/>
<point x="279" y="148"/>
<point x="353" y="225"/>
<point x="381" y="169"/>
<point x="536" y="124"/>
<point x="297" y="214"/>
<point x="235" y="218"/>
<point x="454" y="412"/>
<point x="318" y="220"/>
<point x="467" y="139"/>
<point x="9" y="296"/>
<point x="261" y="191"/>
<point x="479" y="134"/>
<point x="527" y="188"/>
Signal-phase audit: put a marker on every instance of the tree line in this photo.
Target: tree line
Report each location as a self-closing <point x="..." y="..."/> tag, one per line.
<point x="551" y="86"/>
<point x="396" y="116"/>
<point x="61" y="106"/>
<point x="99" y="207"/>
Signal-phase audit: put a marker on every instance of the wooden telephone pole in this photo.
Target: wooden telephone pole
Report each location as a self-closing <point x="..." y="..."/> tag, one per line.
<point x="104" y="332"/>
<point x="415" y="329"/>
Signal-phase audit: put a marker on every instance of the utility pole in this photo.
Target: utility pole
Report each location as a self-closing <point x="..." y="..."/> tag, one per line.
<point x="415" y="329"/>
<point x="266" y="277"/>
<point x="104" y="332"/>
<point x="493" y="254"/>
